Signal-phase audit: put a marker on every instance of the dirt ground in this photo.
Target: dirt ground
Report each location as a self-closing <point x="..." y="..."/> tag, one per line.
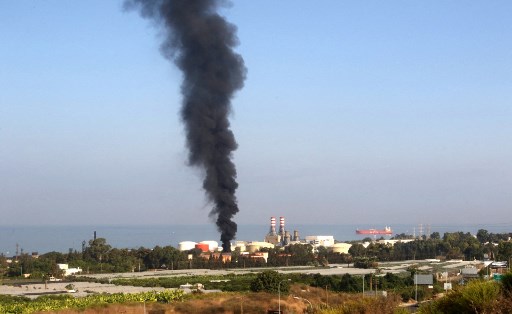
<point x="297" y="301"/>
<point x="81" y="288"/>
<point x="220" y="303"/>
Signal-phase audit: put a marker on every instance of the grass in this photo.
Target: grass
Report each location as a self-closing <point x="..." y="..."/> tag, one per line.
<point x="233" y="302"/>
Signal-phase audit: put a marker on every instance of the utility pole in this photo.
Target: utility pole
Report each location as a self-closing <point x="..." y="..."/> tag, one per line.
<point x="327" y="295"/>
<point x="416" y="283"/>
<point x="363" y="285"/>
<point x="279" y="292"/>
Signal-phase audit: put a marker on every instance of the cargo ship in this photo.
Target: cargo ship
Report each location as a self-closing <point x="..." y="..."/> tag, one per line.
<point x="386" y="230"/>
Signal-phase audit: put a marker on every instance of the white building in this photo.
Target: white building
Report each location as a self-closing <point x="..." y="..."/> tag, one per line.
<point x="69" y="271"/>
<point x="393" y="242"/>
<point x="318" y="240"/>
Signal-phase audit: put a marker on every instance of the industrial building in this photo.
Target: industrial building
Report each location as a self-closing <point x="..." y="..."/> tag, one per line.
<point x="205" y="246"/>
<point x="273" y="238"/>
<point x="318" y="240"/>
<point x="283" y="237"/>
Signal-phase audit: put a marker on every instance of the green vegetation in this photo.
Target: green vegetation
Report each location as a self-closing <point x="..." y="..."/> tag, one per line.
<point x="100" y="257"/>
<point x="475" y="297"/>
<point x="61" y="302"/>
<point x="453" y="245"/>
<point x="270" y="281"/>
<point x="401" y="284"/>
<point x="224" y="283"/>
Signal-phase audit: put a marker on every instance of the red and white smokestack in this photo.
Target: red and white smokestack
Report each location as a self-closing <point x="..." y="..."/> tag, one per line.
<point x="273" y="225"/>
<point x="281" y="225"/>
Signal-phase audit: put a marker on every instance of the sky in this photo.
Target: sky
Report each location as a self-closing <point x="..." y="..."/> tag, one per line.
<point x="353" y="112"/>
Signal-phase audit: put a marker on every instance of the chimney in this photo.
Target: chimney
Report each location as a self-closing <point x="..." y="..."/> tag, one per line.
<point x="296" y="235"/>
<point x="272" y="225"/>
<point x="281" y="226"/>
<point x="287" y="237"/>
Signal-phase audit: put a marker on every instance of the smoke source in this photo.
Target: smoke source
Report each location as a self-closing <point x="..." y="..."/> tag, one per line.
<point x="200" y="42"/>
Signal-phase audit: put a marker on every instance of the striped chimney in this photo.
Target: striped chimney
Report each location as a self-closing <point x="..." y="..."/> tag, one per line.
<point x="281" y="225"/>
<point x="272" y="225"/>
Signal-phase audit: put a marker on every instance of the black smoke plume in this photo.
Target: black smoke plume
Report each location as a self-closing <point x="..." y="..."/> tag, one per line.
<point x="200" y="42"/>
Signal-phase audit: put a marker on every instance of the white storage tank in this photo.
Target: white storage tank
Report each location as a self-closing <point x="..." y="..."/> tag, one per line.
<point x="239" y="244"/>
<point x="341" y="247"/>
<point x="213" y="245"/>
<point x="186" y="245"/>
<point x="256" y="246"/>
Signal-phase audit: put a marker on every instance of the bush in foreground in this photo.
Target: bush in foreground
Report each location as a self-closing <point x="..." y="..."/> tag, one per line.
<point x="476" y="297"/>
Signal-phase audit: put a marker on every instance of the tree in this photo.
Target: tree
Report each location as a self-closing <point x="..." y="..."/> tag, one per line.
<point x="270" y="281"/>
<point x="26" y="264"/>
<point x="349" y="284"/>
<point x="357" y="250"/>
<point x="476" y="297"/>
<point x="504" y="251"/>
<point x="301" y="254"/>
<point x="3" y="265"/>
<point x="402" y="236"/>
<point x="97" y="250"/>
<point x="482" y="235"/>
<point x="122" y="260"/>
<point x="435" y="236"/>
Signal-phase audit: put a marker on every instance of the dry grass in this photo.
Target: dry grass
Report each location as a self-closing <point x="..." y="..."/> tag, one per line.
<point x="331" y="302"/>
<point x="232" y="303"/>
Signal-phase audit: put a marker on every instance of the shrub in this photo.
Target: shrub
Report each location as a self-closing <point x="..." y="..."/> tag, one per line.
<point x="269" y="281"/>
<point x="506" y="282"/>
<point x="476" y="297"/>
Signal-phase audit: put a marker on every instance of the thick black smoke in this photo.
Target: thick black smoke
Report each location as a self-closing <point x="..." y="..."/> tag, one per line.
<point x="200" y="42"/>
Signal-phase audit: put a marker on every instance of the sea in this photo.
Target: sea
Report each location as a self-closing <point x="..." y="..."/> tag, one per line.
<point x="44" y="239"/>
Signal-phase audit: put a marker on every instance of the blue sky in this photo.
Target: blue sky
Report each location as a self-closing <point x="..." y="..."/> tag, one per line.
<point x="373" y="113"/>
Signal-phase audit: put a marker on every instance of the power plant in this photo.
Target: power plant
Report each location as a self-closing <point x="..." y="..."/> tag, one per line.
<point x="283" y="237"/>
<point x="273" y="239"/>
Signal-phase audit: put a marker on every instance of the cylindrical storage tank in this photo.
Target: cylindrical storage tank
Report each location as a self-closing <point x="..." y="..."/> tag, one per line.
<point x="341" y="248"/>
<point x="186" y="245"/>
<point x="212" y="245"/>
<point x="203" y="247"/>
<point x="256" y="246"/>
<point x="239" y="245"/>
<point x="251" y="248"/>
